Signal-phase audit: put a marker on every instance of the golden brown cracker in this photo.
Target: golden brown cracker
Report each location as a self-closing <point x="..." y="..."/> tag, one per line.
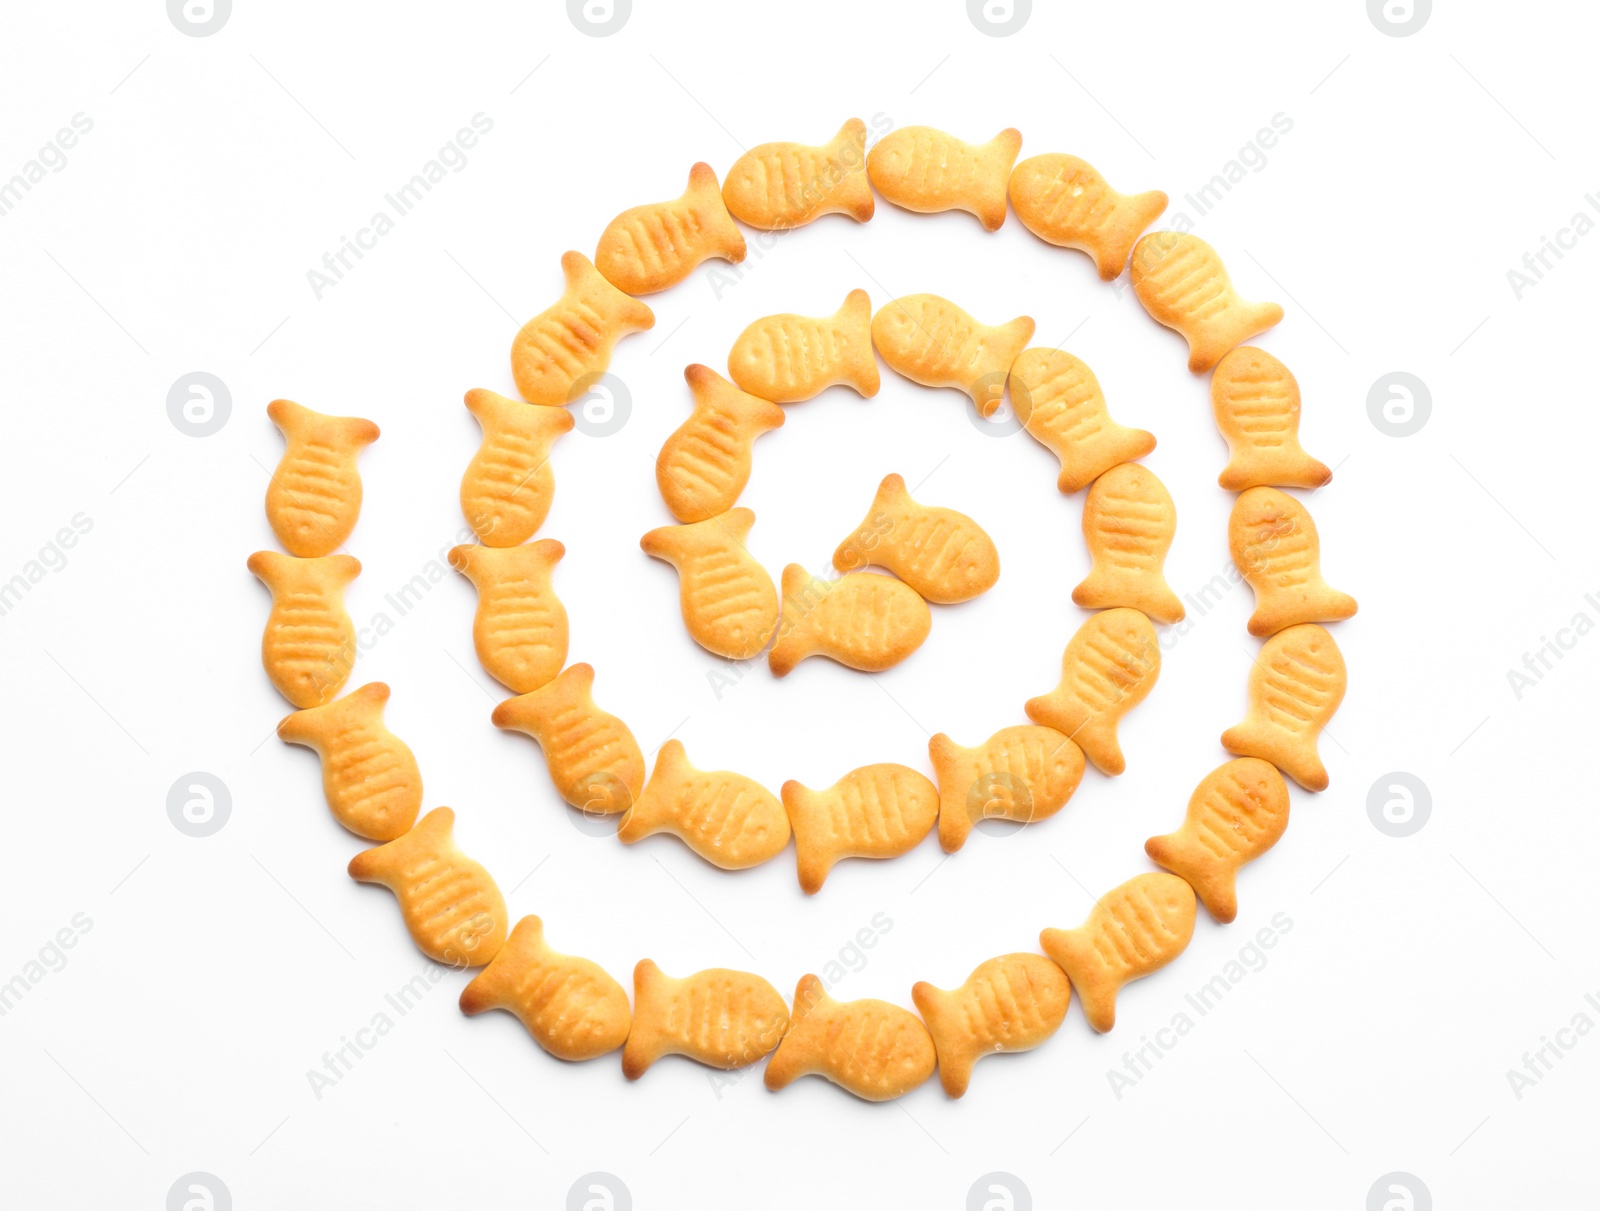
<point x="1181" y="281"/>
<point x="717" y="1017"/>
<point x="942" y="554"/>
<point x="309" y="645"/>
<point x="1132" y="931"/>
<point x="877" y="811"/>
<point x="314" y="497"/>
<point x="864" y="621"/>
<point x="562" y="350"/>
<point x="1128" y="523"/>
<point x="1108" y="668"/>
<point x="520" y="628"/>
<point x="1296" y="684"/>
<point x="508" y="485"/>
<point x="369" y="776"/>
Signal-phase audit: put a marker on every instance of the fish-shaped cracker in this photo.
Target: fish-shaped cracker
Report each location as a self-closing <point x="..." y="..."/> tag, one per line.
<point x="727" y="599"/>
<point x="309" y="645"/>
<point x="775" y="186"/>
<point x="705" y="463"/>
<point x="944" y="555"/>
<point x="452" y="908"/>
<point x="1059" y="401"/>
<point x="563" y="349"/>
<point x="932" y="341"/>
<point x="1273" y="542"/>
<point x="571" y="1006"/>
<point x="1296" y="684"/>
<point x="1256" y="403"/>
<point x="1064" y="201"/>
<point x="648" y="248"/>
<point x="717" y="1017"/>
<point x="1024" y="773"/>
<point x="314" y="497"/>
<point x="1236" y="814"/>
<point x="1133" y="930"/>
<point x="594" y="761"/>
<point x="369" y="776"/>
<point x="520" y="628"/>
<point x="508" y="485"/>
<point x="1128" y="523"/>
<point x="877" y="811"/>
<point x="871" y="1048"/>
<point x="1181" y="281"/>
<point x="864" y="621"/>
<point x="729" y="820"/>
<point x="788" y="358"/>
<point x="1011" y="1003"/>
<point x="923" y="169"/>
<point x="1108" y="668"/>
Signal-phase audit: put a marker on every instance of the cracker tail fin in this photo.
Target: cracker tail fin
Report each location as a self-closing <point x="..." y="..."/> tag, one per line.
<point x="847" y="152"/>
<point x="955" y="819"/>
<point x="795" y="641"/>
<point x="1073" y="951"/>
<point x="854" y="318"/>
<point x="999" y="156"/>
<point x="944" y="1020"/>
<point x="813" y="860"/>
<point x="793" y="1057"/>
<point x="1212" y="881"/>
<point x="1135" y="212"/>
<point x="643" y="1048"/>
<point x="704" y="195"/>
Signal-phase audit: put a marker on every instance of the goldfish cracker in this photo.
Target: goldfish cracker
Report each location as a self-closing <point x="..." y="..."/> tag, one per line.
<point x="508" y="485"/>
<point x="1012" y="1003"/>
<point x="877" y="811"/>
<point x="788" y="358"/>
<point x="1273" y="542"/>
<point x="594" y="761"/>
<point x="864" y="621"/>
<point x="1128" y="523"/>
<point x="704" y="465"/>
<point x="871" y="1048"/>
<point x="720" y="1018"/>
<point x="1256" y="402"/>
<point x="1296" y="684"/>
<point x="369" y="776"/>
<point x="1064" y="201"/>
<point x="931" y="341"/>
<point x="648" y="248"/>
<point x="1236" y="814"/>
<point x="1132" y="931"/>
<point x="1024" y="773"/>
<point x="923" y="169"/>
<point x="452" y="908"/>
<point x="729" y="820"/>
<point x="727" y="599"/>
<point x="1060" y="403"/>
<point x="1109" y="667"/>
<point x="309" y="645"/>
<point x="1181" y="281"/>
<point x="314" y="497"/>
<point x="520" y="628"/>
<point x="944" y="555"/>
<point x="561" y="351"/>
<point x="775" y="186"/>
<point x="571" y="1006"/>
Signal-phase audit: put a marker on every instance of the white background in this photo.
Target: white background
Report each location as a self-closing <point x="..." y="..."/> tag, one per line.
<point x="218" y="971"/>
